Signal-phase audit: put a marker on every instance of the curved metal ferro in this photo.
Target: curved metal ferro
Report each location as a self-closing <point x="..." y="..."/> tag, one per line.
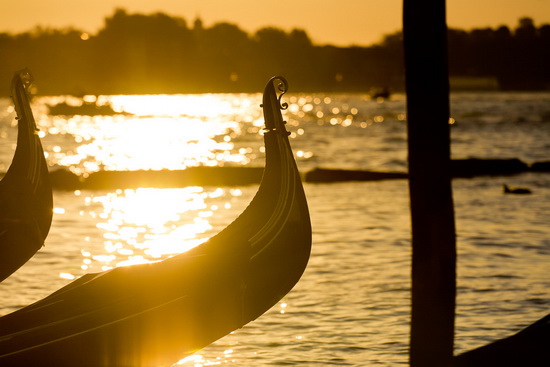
<point x="26" y="79"/>
<point x="283" y="88"/>
<point x="272" y="103"/>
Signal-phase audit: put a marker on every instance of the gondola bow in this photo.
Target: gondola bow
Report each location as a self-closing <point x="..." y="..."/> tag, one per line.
<point x="25" y="191"/>
<point x="155" y="314"/>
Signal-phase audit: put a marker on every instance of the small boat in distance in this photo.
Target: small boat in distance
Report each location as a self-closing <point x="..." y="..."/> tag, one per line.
<point x="380" y="94"/>
<point x="156" y="314"/>
<point x="26" y="205"/>
<point x="515" y="190"/>
<point x="85" y="108"/>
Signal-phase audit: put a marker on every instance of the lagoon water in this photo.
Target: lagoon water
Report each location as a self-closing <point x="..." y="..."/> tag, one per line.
<point x="351" y="308"/>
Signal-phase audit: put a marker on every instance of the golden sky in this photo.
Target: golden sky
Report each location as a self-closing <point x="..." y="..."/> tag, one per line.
<point x="338" y="22"/>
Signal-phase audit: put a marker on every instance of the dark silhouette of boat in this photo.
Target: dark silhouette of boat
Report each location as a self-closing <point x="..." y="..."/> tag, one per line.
<point x="380" y="93"/>
<point x="155" y="314"/>
<point x="515" y="190"/>
<point x="25" y="191"/>
<point x="83" y="109"/>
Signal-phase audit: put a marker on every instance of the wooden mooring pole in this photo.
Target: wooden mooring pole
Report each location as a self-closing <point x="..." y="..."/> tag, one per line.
<point x="432" y="213"/>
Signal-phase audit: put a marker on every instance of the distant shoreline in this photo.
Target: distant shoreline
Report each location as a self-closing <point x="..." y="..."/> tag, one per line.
<point x="160" y="54"/>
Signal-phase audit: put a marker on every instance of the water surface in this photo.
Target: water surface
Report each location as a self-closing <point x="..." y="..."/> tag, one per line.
<point x="351" y="308"/>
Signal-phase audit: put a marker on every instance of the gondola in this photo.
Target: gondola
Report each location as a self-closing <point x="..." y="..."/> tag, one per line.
<point x="155" y="314"/>
<point x="25" y="191"/>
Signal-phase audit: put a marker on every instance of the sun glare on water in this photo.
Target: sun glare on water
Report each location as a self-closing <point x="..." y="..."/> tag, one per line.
<point x="147" y="225"/>
<point x="149" y="132"/>
<point x="154" y="132"/>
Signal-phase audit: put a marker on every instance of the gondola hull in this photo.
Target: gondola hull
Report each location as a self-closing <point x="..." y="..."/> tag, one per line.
<point x="155" y="314"/>
<point x="25" y="191"/>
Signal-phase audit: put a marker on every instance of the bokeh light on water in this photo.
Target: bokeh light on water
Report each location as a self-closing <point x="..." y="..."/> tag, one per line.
<point x="154" y="133"/>
<point x="147" y="224"/>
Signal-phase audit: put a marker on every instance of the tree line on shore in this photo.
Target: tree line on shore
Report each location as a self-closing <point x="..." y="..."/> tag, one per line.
<point x="158" y="53"/>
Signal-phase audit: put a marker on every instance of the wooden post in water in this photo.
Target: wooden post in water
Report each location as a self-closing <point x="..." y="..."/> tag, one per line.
<point x="433" y="229"/>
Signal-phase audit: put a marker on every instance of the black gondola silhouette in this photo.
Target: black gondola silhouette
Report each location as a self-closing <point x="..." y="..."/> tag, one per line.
<point x="25" y="191"/>
<point x="155" y="314"/>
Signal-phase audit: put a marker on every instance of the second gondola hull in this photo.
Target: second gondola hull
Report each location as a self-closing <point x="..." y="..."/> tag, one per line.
<point x="25" y="193"/>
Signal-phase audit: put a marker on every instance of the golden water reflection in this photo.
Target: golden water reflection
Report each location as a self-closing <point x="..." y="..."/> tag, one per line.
<point x="113" y="143"/>
<point x="173" y="132"/>
<point x="155" y="132"/>
<point x="148" y="224"/>
<point x="198" y="360"/>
